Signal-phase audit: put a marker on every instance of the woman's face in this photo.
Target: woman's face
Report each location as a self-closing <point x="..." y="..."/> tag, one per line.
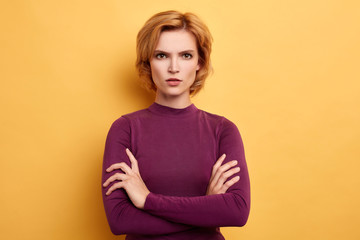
<point x="174" y="63"/>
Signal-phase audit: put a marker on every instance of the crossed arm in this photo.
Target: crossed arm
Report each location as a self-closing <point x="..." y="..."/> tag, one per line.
<point x="130" y="180"/>
<point x="132" y="209"/>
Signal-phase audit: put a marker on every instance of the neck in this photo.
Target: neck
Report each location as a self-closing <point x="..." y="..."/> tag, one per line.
<point x="173" y="101"/>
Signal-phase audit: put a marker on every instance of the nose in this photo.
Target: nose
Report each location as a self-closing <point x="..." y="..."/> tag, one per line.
<point x="173" y="66"/>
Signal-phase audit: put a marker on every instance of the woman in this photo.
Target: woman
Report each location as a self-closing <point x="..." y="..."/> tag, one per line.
<point x="165" y="172"/>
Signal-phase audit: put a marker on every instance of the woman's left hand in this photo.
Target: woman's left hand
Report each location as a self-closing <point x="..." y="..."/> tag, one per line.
<point x="219" y="182"/>
<point x="130" y="180"/>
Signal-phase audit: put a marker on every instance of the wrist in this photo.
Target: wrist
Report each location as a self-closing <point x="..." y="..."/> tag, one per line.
<point x="142" y="205"/>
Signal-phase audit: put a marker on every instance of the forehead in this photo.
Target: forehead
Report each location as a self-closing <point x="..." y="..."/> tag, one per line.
<point x="176" y="40"/>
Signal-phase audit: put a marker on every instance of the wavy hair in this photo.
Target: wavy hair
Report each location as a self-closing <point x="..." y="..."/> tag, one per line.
<point x="148" y="37"/>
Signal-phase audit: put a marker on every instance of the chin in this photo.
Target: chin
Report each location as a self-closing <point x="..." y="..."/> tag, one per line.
<point x="174" y="92"/>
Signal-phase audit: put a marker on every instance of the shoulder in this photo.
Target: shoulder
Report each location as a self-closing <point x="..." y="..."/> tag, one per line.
<point x="211" y="117"/>
<point x="126" y="119"/>
<point x="123" y="123"/>
<point x="220" y="121"/>
<point x="136" y="115"/>
<point x="223" y="127"/>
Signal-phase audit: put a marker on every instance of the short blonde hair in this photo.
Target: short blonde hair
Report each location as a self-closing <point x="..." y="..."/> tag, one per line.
<point x="148" y="37"/>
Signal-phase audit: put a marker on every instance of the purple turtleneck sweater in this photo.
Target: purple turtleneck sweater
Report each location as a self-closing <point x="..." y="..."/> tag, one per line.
<point x="176" y="150"/>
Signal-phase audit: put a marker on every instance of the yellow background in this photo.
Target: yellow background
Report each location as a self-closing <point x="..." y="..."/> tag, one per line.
<point x="286" y="72"/>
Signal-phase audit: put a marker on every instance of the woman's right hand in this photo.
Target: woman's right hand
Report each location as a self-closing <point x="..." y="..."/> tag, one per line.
<point x="220" y="173"/>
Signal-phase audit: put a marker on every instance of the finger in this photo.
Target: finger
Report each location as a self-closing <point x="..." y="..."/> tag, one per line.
<point x="219" y="161"/>
<point x="229" y="183"/>
<point x="222" y="169"/>
<point x="134" y="163"/>
<point x="123" y="166"/>
<point x="224" y="177"/>
<point x="116" y="176"/>
<point x="227" y="166"/>
<point x="228" y="174"/>
<point x="114" y="187"/>
<point x="217" y="165"/>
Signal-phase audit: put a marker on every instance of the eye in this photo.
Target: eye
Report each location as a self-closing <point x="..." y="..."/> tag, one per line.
<point x="187" y="56"/>
<point x="160" y="56"/>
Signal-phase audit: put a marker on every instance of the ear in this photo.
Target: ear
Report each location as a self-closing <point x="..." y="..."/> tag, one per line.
<point x="198" y="67"/>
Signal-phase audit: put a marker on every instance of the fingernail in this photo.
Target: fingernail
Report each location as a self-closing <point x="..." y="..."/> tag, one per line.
<point x="235" y="162"/>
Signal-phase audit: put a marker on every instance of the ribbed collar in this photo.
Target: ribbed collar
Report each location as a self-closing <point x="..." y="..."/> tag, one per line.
<point x="169" y="111"/>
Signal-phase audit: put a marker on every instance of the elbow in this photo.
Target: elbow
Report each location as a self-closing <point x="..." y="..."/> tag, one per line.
<point x="116" y="222"/>
<point x="123" y="227"/>
<point x="116" y="211"/>
<point x="241" y="221"/>
<point x="119" y="225"/>
<point x="240" y="217"/>
<point x="116" y="228"/>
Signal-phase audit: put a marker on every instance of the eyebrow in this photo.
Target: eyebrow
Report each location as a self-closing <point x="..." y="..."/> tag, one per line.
<point x="185" y="51"/>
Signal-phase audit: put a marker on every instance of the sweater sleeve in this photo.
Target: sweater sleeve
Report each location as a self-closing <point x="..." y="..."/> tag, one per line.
<point x="229" y="209"/>
<point x="123" y="217"/>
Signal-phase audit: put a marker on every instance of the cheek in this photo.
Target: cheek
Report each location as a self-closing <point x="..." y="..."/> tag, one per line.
<point x="156" y="69"/>
<point x="192" y="69"/>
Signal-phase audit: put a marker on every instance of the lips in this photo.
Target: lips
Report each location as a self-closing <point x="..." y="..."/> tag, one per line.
<point x="173" y="81"/>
